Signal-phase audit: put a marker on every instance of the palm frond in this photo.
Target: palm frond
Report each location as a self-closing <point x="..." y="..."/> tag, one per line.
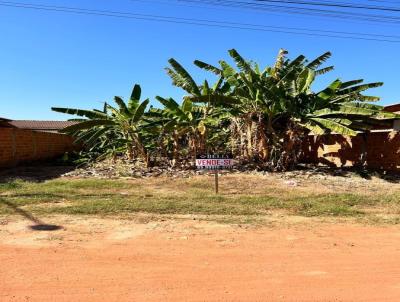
<point x="189" y="84"/>
<point x="121" y="104"/>
<point x="88" y="125"/>
<point x="241" y="63"/>
<point x="313" y="127"/>
<point x="140" y="111"/>
<point x="135" y="98"/>
<point x="324" y="70"/>
<point x="358" y="88"/>
<point x="334" y="126"/>
<point x="208" y="67"/>
<point x="320" y="60"/>
<point x="80" y="112"/>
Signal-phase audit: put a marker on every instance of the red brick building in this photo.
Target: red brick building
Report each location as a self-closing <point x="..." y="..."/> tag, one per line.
<point x="22" y="141"/>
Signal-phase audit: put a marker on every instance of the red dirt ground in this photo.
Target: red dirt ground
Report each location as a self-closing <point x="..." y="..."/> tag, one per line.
<point x="108" y="260"/>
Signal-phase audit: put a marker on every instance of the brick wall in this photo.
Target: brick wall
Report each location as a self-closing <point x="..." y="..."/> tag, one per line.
<point x="17" y="145"/>
<point x="381" y="150"/>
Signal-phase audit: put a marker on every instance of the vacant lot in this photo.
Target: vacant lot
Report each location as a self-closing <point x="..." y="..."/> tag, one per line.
<point x="243" y="197"/>
<point x="276" y="237"/>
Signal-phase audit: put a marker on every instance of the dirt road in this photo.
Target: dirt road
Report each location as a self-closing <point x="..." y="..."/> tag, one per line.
<point x="187" y="260"/>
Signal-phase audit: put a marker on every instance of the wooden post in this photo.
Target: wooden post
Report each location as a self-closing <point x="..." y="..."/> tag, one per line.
<point x="216" y="181"/>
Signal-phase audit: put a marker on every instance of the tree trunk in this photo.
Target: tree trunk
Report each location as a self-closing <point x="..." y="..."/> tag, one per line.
<point x="175" y="151"/>
<point x="292" y="146"/>
<point x="249" y="140"/>
<point x="131" y="153"/>
<point x="263" y="149"/>
<point x="193" y="147"/>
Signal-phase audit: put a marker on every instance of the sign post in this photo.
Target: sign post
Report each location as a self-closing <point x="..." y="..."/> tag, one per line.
<point x="216" y="181"/>
<point x="214" y="162"/>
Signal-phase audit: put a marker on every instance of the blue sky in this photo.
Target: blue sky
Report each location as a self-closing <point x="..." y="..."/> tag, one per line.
<point x="68" y="60"/>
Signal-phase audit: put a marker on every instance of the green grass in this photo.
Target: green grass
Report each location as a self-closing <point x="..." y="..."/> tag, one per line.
<point x="187" y="196"/>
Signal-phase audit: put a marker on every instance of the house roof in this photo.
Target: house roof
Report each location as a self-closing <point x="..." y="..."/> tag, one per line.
<point x="41" y="125"/>
<point x="392" y="108"/>
<point x="5" y="122"/>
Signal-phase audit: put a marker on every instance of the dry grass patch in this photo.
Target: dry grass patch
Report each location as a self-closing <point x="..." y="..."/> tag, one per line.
<point x="242" y="196"/>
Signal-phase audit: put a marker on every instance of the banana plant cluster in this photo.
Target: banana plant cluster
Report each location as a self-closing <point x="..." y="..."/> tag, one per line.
<point x="260" y="115"/>
<point x="113" y="130"/>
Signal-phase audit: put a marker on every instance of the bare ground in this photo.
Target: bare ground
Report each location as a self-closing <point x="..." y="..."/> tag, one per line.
<point x="184" y="259"/>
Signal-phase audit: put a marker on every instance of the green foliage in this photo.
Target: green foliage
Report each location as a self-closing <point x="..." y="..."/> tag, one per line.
<point x="260" y="114"/>
<point x="113" y="130"/>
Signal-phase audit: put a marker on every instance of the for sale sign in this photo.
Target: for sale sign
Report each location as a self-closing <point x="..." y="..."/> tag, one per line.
<point x="214" y="162"/>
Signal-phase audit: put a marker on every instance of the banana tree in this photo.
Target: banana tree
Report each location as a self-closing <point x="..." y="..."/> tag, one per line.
<point x="217" y="95"/>
<point x="204" y="107"/>
<point x="185" y="121"/>
<point x="119" y="127"/>
<point x="278" y="106"/>
<point x="248" y="83"/>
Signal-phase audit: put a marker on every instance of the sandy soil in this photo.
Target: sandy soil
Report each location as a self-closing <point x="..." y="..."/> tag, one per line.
<point x="189" y="260"/>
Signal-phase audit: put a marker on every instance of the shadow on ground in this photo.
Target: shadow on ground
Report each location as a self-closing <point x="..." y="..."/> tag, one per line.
<point x="389" y="176"/>
<point x="36" y="172"/>
<point x="38" y="225"/>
